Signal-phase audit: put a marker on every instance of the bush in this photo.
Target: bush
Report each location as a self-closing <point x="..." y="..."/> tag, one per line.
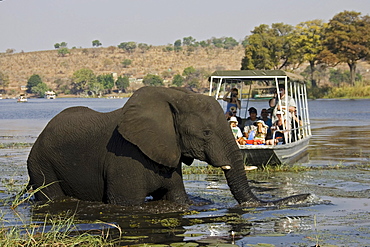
<point x="357" y="91"/>
<point x="40" y="89"/>
<point x="33" y="81"/>
<point x="152" y="80"/>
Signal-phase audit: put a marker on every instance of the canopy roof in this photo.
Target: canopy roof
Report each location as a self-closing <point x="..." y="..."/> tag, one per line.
<point x="255" y="74"/>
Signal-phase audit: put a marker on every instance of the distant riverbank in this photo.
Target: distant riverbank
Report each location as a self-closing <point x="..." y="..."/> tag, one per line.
<point x="359" y="91"/>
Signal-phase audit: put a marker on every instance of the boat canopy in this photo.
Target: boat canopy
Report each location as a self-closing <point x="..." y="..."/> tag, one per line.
<point x="267" y="78"/>
<point x="245" y="75"/>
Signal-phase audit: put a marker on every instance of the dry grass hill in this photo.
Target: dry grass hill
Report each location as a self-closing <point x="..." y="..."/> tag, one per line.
<point x="50" y="66"/>
<point x="56" y="70"/>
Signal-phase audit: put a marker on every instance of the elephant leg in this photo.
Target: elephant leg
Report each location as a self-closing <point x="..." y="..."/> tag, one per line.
<point x="125" y="186"/>
<point x="175" y="189"/>
<point x="46" y="180"/>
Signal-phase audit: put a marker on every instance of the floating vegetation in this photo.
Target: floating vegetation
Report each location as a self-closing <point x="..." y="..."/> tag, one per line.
<point x="206" y="169"/>
<point x="14" y="145"/>
<point x="134" y="237"/>
<point x="302" y="168"/>
<point x="210" y="170"/>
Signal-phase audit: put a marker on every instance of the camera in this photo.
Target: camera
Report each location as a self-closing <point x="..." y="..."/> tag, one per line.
<point x="233" y="95"/>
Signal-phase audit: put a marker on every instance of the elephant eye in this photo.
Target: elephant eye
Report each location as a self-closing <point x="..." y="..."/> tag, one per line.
<point x="207" y="133"/>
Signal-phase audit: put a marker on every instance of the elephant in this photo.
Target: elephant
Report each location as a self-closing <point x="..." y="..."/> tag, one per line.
<point x="124" y="156"/>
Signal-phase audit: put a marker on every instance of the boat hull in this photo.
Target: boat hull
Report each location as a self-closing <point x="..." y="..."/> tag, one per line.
<point x="259" y="155"/>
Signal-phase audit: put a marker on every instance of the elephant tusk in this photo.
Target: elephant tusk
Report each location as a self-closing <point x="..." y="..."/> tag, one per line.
<point x="226" y="167"/>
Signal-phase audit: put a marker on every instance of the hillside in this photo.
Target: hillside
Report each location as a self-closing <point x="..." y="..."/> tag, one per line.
<point x="51" y="67"/>
<point x="56" y="70"/>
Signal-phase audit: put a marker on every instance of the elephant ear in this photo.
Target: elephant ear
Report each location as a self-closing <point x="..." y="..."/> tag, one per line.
<point x="148" y="122"/>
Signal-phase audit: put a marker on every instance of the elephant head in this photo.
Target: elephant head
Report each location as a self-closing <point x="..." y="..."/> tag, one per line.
<point x="171" y="125"/>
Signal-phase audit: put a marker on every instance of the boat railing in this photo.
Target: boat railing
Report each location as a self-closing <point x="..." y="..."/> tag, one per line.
<point x="291" y="132"/>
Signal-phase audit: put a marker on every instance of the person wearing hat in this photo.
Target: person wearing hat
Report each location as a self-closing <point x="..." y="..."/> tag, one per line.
<point x="233" y="112"/>
<point x="279" y="124"/>
<point x="249" y="122"/>
<point x="261" y="132"/>
<point x="236" y="131"/>
<point x="279" y="103"/>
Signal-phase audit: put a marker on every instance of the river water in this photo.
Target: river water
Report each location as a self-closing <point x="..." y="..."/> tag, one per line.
<point x="339" y="216"/>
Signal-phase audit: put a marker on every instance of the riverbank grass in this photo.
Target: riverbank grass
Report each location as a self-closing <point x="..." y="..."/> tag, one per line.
<point x="54" y="231"/>
<point x="360" y="91"/>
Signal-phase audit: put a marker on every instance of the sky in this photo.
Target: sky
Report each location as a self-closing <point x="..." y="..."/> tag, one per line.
<point x="35" y="25"/>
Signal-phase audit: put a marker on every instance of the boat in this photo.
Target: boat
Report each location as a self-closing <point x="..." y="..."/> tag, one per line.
<point x="262" y="92"/>
<point x="294" y="149"/>
<point x="50" y="95"/>
<point x="22" y="98"/>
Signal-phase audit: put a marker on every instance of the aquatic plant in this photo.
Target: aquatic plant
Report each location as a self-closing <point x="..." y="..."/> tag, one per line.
<point x="194" y="169"/>
<point x="14" y="145"/>
<point x="54" y="231"/>
<point x="60" y="230"/>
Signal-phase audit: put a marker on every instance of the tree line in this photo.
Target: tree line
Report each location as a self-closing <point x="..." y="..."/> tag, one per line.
<point x="85" y="82"/>
<point x="344" y="39"/>
<point x="187" y="43"/>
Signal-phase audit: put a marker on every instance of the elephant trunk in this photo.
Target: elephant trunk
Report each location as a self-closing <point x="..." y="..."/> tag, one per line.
<point x="242" y="192"/>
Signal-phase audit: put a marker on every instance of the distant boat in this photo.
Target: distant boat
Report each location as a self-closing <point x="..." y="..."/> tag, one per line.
<point x="22" y="98"/>
<point x="50" y="95"/>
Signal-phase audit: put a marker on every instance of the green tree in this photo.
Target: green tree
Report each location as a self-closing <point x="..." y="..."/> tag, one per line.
<point x="192" y="77"/>
<point x="168" y="48"/>
<point x="33" y="81"/>
<point x="122" y="83"/>
<point x="63" y="85"/>
<point x="96" y="43"/>
<point x="204" y="43"/>
<point x="178" y="80"/>
<point x="107" y="81"/>
<point x="177" y="45"/>
<point x="188" y="71"/>
<point x="152" y="80"/>
<point x="245" y="41"/>
<point x="95" y="88"/>
<point x="347" y="37"/>
<point x="63" y="44"/>
<point x="126" y="63"/>
<point x="270" y="48"/>
<point x="40" y="89"/>
<point x="338" y="76"/>
<point x="143" y="47"/>
<point x="230" y="42"/>
<point x="259" y="48"/>
<point x="309" y="38"/>
<point x="188" y="41"/>
<point x="217" y="42"/>
<point x="4" y="80"/>
<point x="285" y="45"/>
<point x="63" y="51"/>
<point x="127" y="46"/>
<point x="56" y="45"/>
<point x="81" y="80"/>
